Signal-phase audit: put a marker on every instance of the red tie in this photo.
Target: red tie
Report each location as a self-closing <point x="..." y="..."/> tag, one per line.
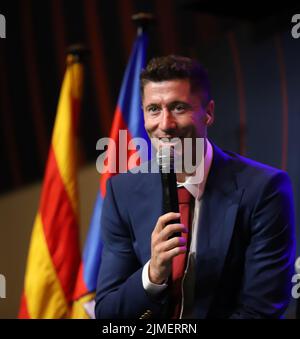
<point x="179" y="262"/>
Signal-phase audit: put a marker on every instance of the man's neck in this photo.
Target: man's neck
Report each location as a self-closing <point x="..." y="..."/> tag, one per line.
<point x="181" y="177"/>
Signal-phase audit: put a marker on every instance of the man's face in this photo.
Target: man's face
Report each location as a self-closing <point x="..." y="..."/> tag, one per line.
<point x="171" y="110"/>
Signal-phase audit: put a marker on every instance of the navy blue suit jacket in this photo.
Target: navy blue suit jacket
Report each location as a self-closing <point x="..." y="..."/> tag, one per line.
<point x="245" y="245"/>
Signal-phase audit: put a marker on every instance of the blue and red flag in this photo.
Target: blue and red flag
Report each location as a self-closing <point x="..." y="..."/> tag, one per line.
<point x="129" y="117"/>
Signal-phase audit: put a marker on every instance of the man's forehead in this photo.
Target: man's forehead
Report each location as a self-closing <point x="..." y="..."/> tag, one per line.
<point x="169" y="91"/>
<point x="165" y="88"/>
<point x="168" y="83"/>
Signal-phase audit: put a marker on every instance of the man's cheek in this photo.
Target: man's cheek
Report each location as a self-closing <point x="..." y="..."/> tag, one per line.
<point x="150" y="127"/>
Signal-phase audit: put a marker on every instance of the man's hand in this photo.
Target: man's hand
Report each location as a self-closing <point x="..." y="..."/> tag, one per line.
<point x="163" y="249"/>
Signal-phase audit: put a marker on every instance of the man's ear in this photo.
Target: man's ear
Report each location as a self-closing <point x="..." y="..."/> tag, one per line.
<point x="210" y="113"/>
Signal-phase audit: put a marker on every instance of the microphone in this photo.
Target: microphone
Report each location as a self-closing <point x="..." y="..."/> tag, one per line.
<point x="165" y="159"/>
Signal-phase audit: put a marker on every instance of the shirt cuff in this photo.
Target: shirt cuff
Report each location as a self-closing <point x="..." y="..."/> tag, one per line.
<point x="151" y="288"/>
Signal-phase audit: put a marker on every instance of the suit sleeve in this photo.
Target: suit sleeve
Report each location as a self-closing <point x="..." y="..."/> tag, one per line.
<point x="120" y="292"/>
<point x="270" y="256"/>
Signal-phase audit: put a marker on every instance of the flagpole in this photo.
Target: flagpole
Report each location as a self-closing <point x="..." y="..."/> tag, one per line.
<point x="143" y="21"/>
<point x="79" y="52"/>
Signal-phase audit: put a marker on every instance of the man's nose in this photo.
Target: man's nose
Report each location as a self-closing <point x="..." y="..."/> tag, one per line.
<point x="167" y="121"/>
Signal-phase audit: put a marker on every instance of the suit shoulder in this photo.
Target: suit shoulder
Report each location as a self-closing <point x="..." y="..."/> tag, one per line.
<point x="251" y="167"/>
<point x="123" y="181"/>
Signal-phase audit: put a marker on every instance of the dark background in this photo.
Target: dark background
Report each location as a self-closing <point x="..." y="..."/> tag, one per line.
<point x="248" y="50"/>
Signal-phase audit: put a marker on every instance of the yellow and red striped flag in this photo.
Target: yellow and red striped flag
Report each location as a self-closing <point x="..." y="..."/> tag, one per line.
<point x="54" y="253"/>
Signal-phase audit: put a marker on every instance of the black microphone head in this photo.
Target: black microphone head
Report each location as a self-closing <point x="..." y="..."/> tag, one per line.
<point x="165" y="159"/>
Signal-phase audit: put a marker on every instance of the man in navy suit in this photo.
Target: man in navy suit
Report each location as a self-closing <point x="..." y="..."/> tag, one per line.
<point x="242" y="246"/>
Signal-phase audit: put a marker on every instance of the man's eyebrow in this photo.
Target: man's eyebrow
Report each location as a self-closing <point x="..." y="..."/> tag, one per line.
<point x="152" y="105"/>
<point x="170" y="105"/>
<point x="175" y="102"/>
<point x="178" y="102"/>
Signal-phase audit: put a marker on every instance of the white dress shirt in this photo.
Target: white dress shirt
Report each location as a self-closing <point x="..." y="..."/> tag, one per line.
<point x="188" y="282"/>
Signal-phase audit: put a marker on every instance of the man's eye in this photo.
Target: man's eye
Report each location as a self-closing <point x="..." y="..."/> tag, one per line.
<point x="179" y="108"/>
<point x="153" y="110"/>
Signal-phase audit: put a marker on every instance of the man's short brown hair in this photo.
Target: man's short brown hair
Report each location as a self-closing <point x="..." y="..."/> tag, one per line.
<point x="173" y="67"/>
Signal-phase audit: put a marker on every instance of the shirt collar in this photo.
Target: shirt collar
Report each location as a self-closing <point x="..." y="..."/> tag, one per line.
<point x="195" y="184"/>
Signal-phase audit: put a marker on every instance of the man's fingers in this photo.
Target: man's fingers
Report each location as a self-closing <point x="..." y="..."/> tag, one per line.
<point x="165" y="219"/>
<point x="167" y="256"/>
<point x="168" y="230"/>
<point x="172" y="243"/>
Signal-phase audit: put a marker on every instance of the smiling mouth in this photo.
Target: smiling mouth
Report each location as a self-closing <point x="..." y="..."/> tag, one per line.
<point x="170" y="138"/>
<point x="169" y="141"/>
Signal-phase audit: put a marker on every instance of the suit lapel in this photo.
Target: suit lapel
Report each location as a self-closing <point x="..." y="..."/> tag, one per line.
<point x="219" y="208"/>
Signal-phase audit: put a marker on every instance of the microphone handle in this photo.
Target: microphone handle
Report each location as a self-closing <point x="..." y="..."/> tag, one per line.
<point x="170" y="197"/>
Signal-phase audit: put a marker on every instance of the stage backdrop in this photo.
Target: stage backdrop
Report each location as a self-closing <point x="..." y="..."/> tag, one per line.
<point x="252" y="59"/>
